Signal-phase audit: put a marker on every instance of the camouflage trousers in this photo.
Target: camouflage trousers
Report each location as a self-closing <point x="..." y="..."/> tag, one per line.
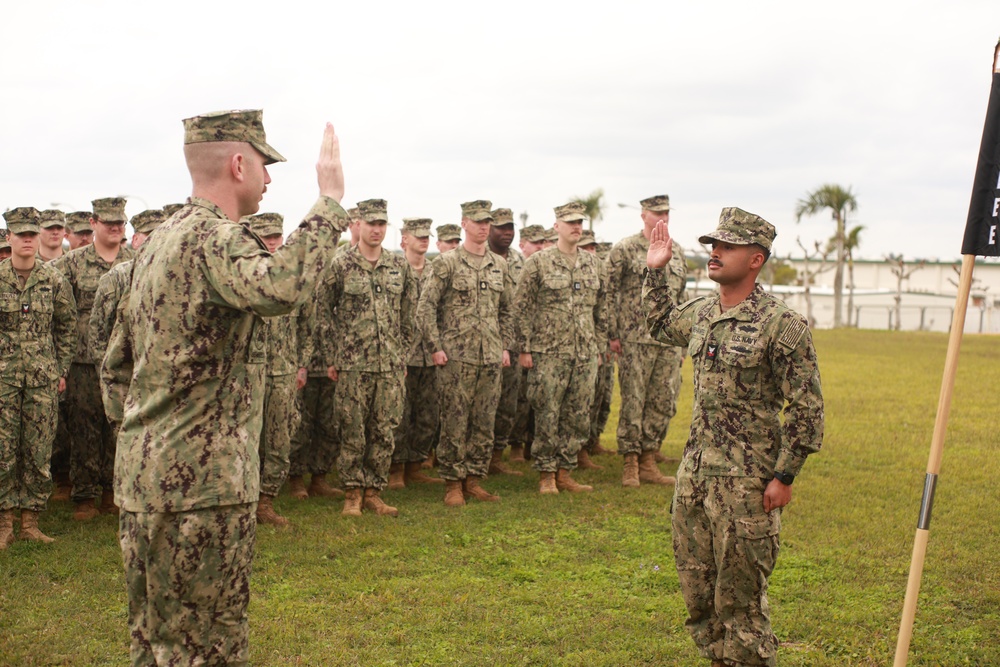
<point x="92" y="443"/>
<point x="510" y="389"/>
<point x="725" y="548"/>
<point x="27" y="429"/>
<point x="281" y="419"/>
<point x="469" y="395"/>
<point x="649" y="378"/>
<point x="417" y="431"/>
<point x="600" y="409"/>
<point x="369" y="406"/>
<point x="187" y="575"/>
<point x="60" y="447"/>
<point x="314" y="442"/>
<point x="523" y="429"/>
<point x="561" y="390"/>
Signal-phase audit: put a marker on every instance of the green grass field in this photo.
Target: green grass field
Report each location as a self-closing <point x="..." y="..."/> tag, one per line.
<point x="588" y="579"/>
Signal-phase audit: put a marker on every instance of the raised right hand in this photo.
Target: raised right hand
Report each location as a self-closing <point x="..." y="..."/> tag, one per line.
<point x="329" y="171"/>
<point x="660" y="248"/>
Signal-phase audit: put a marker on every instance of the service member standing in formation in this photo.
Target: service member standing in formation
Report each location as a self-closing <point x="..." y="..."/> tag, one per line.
<point x="648" y="371"/>
<point x="4" y="245"/>
<point x="448" y="237"/>
<point x="417" y="431"/>
<point x="501" y="236"/>
<point x="752" y="357"/>
<point x="370" y="294"/>
<point x="600" y="409"/>
<point x="92" y="438"/>
<point x="464" y="316"/>
<point x="50" y="245"/>
<point x="559" y="319"/>
<point x="78" y="230"/>
<point x="37" y="343"/>
<point x="187" y="473"/>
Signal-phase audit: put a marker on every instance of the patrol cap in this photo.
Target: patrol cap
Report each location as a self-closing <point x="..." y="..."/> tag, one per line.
<point x="449" y="233"/>
<point x="22" y="219"/>
<point x="738" y="227"/>
<point x="551" y="235"/>
<point x="604" y="249"/>
<point x="267" y="224"/>
<point x="244" y="125"/>
<point x="477" y="211"/>
<point x="354" y="213"/>
<point x="657" y="203"/>
<point x="419" y="227"/>
<point x="110" y="209"/>
<point x="147" y="221"/>
<point x="533" y="233"/>
<point x="79" y="221"/>
<point x="52" y="218"/>
<point x="4" y="243"/>
<point x="502" y="216"/>
<point x="372" y="210"/>
<point x="586" y="238"/>
<point x="170" y="209"/>
<point x="571" y="212"/>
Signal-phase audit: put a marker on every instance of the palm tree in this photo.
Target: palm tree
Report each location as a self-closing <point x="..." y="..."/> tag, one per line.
<point x="594" y="203"/>
<point x="851" y="244"/>
<point x="840" y="202"/>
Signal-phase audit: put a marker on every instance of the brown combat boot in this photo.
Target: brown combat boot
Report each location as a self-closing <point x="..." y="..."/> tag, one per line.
<point x="597" y="450"/>
<point x="649" y="473"/>
<point x="267" y="514"/>
<point x="453" y="495"/>
<point x="86" y="510"/>
<point x="472" y="488"/>
<point x="374" y="503"/>
<point x="352" y="503"/>
<point x="547" y="483"/>
<point x="498" y="468"/>
<point x="630" y="470"/>
<point x="566" y="483"/>
<point x="108" y="503"/>
<point x="6" y="529"/>
<point x="516" y="454"/>
<point x="660" y="458"/>
<point x="297" y="487"/>
<point x="63" y="490"/>
<point x="413" y="473"/>
<point x="397" y="480"/>
<point x="29" y="528"/>
<point x="584" y="462"/>
<point x="318" y="486"/>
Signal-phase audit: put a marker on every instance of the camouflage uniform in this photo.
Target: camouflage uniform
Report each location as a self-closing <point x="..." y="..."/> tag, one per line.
<point x="648" y="372"/>
<point x="92" y="438"/>
<point x="281" y="415"/>
<point x="464" y="311"/>
<point x="314" y="443"/>
<point x="372" y="334"/>
<point x="187" y="471"/>
<point x="37" y="343"/>
<point x="749" y="362"/>
<point x="510" y="376"/>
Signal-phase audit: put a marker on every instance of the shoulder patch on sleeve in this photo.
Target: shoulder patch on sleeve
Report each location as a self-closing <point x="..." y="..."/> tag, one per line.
<point x="792" y="333"/>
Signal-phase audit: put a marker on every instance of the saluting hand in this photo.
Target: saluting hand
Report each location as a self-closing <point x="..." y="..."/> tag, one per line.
<point x="660" y="248"/>
<point x="329" y="171"/>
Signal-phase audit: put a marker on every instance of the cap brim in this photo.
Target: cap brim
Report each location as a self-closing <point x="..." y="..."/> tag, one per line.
<point x="49" y="225"/>
<point x="724" y="237"/>
<point x="572" y="218"/>
<point x="270" y="155"/>
<point x="480" y="217"/>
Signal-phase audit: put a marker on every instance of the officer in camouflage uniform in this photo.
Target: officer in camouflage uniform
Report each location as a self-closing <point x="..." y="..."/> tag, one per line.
<point x="78" y="230"/>
<point x="4" y="245"/>
<point x="559" y="319"/>
<point x="464" y="316"/>
<point x="752" y="357"/>
<point x="53" y="222"/>
<point x="373" y="293"/>
<point x="648" y="372"/>
<point x="601" y="410"/>
<point x="417" y="431"/>
<point x="92" y="439"/>
<point x="37" y="342"/>
<point x="598" y="412"/>
<point x="187" y="473"/>
<point x="448" y="237"/>
<point x="500" y="239"/>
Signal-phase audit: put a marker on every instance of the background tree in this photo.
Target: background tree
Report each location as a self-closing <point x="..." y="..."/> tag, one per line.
<point x="840" y="202"/>
<point x="851" y="244"/>
<point x="902" y="272"/>
<point x="594" y="203"/>
<point x="809" y="273"/>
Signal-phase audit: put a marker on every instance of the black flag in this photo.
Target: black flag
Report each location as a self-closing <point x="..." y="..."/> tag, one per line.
<point x="982" y="230"/>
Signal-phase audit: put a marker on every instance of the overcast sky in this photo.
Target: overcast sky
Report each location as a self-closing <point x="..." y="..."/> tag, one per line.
<point x="524" y="103"/>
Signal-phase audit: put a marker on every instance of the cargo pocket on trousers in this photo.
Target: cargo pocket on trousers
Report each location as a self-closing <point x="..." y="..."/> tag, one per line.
<point x="758" y="537"/>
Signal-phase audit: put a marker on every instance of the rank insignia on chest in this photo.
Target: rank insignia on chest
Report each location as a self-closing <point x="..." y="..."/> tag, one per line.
<point x="378" y="289"/>
<point x="25" y="309"/>
<point x="577" y="285"/>
<point x="710" y="353"/>
<point x="482" y="284"/>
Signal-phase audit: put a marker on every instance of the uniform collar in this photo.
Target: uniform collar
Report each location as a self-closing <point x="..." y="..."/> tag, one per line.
<point x="745" y="310"/>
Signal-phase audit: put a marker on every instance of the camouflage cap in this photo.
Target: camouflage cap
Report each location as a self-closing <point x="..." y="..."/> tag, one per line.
<point x="657" y="203"/>
<point x="551" y="235"/>
<point x="147" y="221"/>
<point x="419" y="227"/>
<point x="571" y="212"/>
<point x="79" y="221"/>
<point x="4" y="243"/>
<point x="533" y="233"/>
<point x="110" y="209"/>
<point x="22" y="219"/>
<point x="738" y="227"/>
<point x="266" y="224"/>
<point x="604" y="249"/>
<point x="354" y="213"/>
<point x="502" y="216"/>
<point x="586" y="238"/>
<point x="449" y="233"/>
<point x="477" y="211"/>
<point x="170" y="209"/>
<point x="52" y="218"/>
<point x="374" y="209"/>
<point x="244" y="125"/>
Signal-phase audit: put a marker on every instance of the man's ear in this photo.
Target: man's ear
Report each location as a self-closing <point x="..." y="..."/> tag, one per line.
<point x="237" y="166"/>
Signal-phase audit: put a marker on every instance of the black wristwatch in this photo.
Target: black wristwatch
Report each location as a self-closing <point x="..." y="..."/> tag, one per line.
<point x="784" y="478"/>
